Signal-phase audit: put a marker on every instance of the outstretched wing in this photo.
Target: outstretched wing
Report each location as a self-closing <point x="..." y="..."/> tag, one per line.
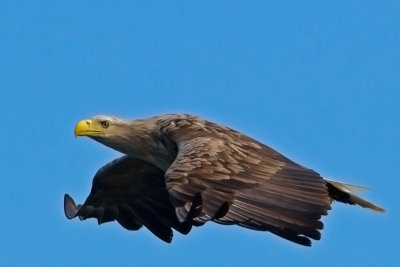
<point x="131" y="191"/>
<point x="225" y="176"/>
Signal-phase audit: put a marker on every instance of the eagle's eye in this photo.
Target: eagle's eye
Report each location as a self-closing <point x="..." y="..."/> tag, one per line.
<point x="105" y="124"/>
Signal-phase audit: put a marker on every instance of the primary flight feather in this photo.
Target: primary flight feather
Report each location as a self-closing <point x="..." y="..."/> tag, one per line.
<point x="180" y="171"/>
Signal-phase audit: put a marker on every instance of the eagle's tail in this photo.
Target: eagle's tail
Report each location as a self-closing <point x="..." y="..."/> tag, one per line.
<point x="346" y="193"/>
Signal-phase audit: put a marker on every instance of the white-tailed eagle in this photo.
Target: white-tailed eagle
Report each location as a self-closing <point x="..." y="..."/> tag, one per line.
<point x="180" y="171"/>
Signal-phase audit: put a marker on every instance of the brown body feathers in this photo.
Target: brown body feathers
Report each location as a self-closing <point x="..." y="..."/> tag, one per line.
<point x="182" y="171"/>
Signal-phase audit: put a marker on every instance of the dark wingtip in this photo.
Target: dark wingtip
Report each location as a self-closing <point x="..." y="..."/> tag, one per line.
<point x="293" y="236"/>
<point x="70" y="208"/>
<point x="166" y="239"/>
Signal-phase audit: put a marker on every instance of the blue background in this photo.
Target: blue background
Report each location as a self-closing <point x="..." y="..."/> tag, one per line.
<point x="316" y="80"/>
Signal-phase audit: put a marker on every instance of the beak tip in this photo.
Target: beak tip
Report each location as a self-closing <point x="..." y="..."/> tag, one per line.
<point x="83" y="128"/>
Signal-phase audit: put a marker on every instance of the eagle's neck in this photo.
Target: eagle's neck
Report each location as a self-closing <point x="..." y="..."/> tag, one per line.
<point x="139" y="139"/>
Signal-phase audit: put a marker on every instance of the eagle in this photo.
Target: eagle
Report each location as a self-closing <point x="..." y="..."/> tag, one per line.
<point x="180" y="171"/>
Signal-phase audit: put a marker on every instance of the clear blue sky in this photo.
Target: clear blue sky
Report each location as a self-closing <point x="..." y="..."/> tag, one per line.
<point x="317" y="80"/>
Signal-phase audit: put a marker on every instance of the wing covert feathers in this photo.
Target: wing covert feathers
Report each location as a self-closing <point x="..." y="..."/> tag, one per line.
<point x="241" y="181"/>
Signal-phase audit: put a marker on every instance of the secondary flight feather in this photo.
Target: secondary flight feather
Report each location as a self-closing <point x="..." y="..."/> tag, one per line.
<point x="180" y="171"/>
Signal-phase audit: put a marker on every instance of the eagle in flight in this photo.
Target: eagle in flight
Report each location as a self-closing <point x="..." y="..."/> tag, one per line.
<point x="180" y="171"/>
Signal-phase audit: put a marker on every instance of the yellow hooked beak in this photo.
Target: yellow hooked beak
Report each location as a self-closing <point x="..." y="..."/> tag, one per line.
<point x="87" y="128"/>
